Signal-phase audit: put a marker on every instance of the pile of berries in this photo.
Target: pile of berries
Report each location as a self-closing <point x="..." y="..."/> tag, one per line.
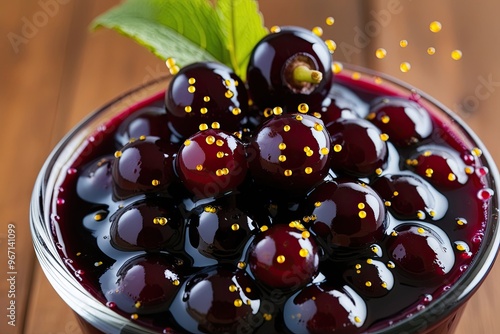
<point x="273" y="204"/>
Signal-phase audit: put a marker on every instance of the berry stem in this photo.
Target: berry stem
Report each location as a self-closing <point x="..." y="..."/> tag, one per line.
<point x="302" y="74"/>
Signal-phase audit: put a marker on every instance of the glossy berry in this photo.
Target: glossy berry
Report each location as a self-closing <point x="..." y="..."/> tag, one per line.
<point x="220" y="300"/>
<point x="405" y="121"/>
<point x="205" y="95"/>
<point x="143" y="165"/>
<point x="347" y="214"/>
<point x="289" y="67"/>
<point x="341" y="103"/>
<point x="321" y="308"/>
<point x="440" y="166"/>
<point x="149" y="121"/>
<point x="145" y="284"/>
<point x="211" y="163"/>
<point x="290" y="152"/>
<point x="370" y="278"/>
<point x="284" y="257"/>
<point x="95" y="183"/>
<point x="220" y="231"/>
<point x="407" y="196"/>
<point x="420" y="252"/>
<point x="358" y="147"/>
<point x="152" y="224"/>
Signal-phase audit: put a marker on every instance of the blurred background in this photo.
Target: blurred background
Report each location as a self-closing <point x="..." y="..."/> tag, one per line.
<point x="53" y="72"/>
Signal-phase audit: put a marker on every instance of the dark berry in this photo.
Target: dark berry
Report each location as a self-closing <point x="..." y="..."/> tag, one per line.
<point x="405" y="121"/>
<point x="150" y="121"/>
<point x="370" y="278"/>
<point x="289" y="67"/>
<point x="347" y="214"/>
<point x="144" y="165"/>
<point x="420" y="252"/>
<point x="341" y="103"/>
<point x="220" y="231"/>
<point x="284" y="257"/>
<point x="320" y="308"/>
<point x="290" y="152"/>
<point x="205" y="95"/>
<point x="151" y="224"/>
<point x="439" y="166"/>
<point x="95" y="184"/>
<point x="211" y="162"/>
<point x="358" y="147"/>
<point x="407" y="196"/>
<point x="145" y="284"/>
<point x="220" y="300"/>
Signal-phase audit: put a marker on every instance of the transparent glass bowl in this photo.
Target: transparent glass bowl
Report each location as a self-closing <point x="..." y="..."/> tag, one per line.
<point x="440" y="316"/>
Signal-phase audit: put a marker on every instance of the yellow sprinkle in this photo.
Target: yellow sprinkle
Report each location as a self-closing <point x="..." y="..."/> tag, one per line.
<point x="215" y="125"/>
<point x="206" y="98"/>
<point x="431" y="50"/>
<point x="203" y="127"/>
<point x="160" y="221"/>
<point x="357" y="319"/>
<point x="337" y="67"/>
<point x="420" y="230"/>
<point x="303" y="252"/>
<point x="469" y="170"/>
<point x="318" y="127"/>
<point x="378" y="80"/>
<point x="452" y="177"/>
<point x="461" y="222"/>
<point x="267" y="317"/>
<point x="155" y="183"/>
<point x="380" y="53"/>
<point x="362" y="214"/>
<point x="435" y="26"/>
<point x="420" y="215"/>
<point x="286" y="128"/>
<point x="241" y="265"/>
<point x="134" y="316"/>
<point x="118" y="154"/>
<point x="191" y="89"/>
<point x="227" y="82"/>
<point x="282" y="158"/>
<point x="374" y="250"/>
<point x="378" y="171"/>
<point x="229" y="94"/>
<point x="98" y="264"/>
<point x="308" y="170"/>
<point x="238" y="303"/>
<point x="220" y="154"/>
<point x="210" y="140"/>
<point x="331" y="45"/>
<point x="299" y="117"/>
<point x="324" y="151"/>
<point x="317" y="204"/>
<point x="394" y="234"/>
<point x="170" y="62"/>
<point x="233" y="288"/>
<point x="385" y="119"/>
<point x="280" y="258"/>
<point x="264" y="228"/>
<point x="199" y="168"/>
<point x="461" y="247"/>
<point x="387" y="203"/>
<point x="429" y="172"/>
<point x="188" y="109"/>
<point x="384" y="285"/>
<point x="203" y="110"/>
<point x="176" y="282"/>
<point x="477" y="152"/>
<point x="235" y="227"/>
<point x="142" y="138"/>
<point x="174" y="70"/>
<point x="330" y="21"/>
<point x="456" y="54"/>
<point x="98" y="217"/>
<point x="361" y="206"/>
<point x="288" y="172"/>
<point x="369" y="261"/>
<point x="384" y="137"/>
<point x="357" y="266"/>
<point x="277" y="111"/>
<point x="305" y="234"/>
<point x="236" y="111"/>
<point x="268" y="112"/>
<point x="391" y="265"/>
<point x="405" y="67"/>
<point x="337" y="148"/>
<point x="356" y="76"/>
<point x="403" y="43"/>
<point x="225" y="171"/>
<point x="371" y="116"/>
<point x="275" y="29"/>
<point x="368" y="283"/>
<point x="303" y="108"/>
<point x="282" y="146"/>
<point x="219" y="142"/>
<point x="248" y="290"/>
<point x="317" y="31"/>
<point x="137" y="304"/>
<point x="432" y="213"/>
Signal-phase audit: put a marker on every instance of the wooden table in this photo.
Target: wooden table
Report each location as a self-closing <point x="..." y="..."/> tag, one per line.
<point x="53" y="72"/>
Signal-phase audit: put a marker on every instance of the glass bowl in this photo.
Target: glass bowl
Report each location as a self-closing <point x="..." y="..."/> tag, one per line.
<point x="440" y="316"/>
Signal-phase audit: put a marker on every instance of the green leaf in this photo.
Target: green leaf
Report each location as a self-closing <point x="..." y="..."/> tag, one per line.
<point x="186" y="30"/>
<point x="242" y="26"/>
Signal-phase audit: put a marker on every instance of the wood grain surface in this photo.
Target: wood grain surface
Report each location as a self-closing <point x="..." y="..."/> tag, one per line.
<point x="53" y="72"/>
